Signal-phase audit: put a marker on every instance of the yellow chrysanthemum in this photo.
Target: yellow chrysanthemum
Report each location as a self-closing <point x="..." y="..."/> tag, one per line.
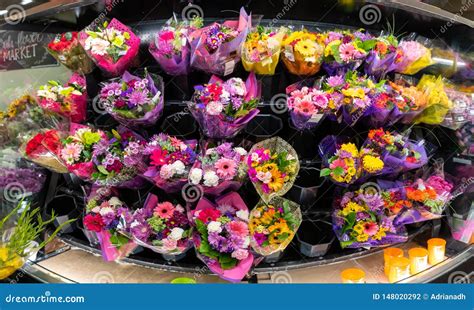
<point x="276" y="182"/>
<point x="269" y="167"/>
<point x="372" y="164"/>
<point x="358" y="228"/>
<point x="362" y="238"/>
<point x="379" y="235"/>
<point x="351" y="148"/>
<point x="354" y="93"/>
<point x="306" y="48"/>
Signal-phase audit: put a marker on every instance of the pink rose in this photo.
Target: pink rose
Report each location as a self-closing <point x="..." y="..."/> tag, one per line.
<point x="240" y="254"/>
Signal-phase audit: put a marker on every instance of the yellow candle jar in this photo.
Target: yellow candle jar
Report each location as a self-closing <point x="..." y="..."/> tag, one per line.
<point x="436" y="249"/>
<point x="418" y="259"/>
<point x="8" y="265"/>
<point x="389" y="253"/>
<point x="353" y="275"/>
<point x="399" y="269"/>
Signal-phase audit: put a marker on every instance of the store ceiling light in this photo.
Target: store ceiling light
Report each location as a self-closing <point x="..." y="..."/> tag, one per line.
<point x="3" y="12"/>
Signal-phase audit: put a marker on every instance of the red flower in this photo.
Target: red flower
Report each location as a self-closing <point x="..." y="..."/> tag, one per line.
<point x="33" y="146"/>
<point x="208" y="215"/>
<point x="51" y="141"/>
<point x="411" y="160"/>
<point x="116" y="166"/>
<point x="94" y="222"/>
<point x="158" y="157"/>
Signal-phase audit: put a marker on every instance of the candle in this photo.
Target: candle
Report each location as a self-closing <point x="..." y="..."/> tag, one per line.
<point x="418" y="259"/>
<point x="388" y="253"/>
<point x="353" y="275"/>
<point x="399" y="269"/>
<point x="436" y="249"/>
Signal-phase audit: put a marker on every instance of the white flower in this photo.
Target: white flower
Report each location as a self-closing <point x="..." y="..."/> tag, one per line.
<point x="241" y="151"/>
<point x="211" y="178"/>
<point x="96" y="209"/>
<point x="195" y="175"/>
<point x="225" y="95"/>
<point x="179" y="167"/>
<point x="265" y="177"/>
<point x="179" y="208"/>
<point x="47" y="94"/>
<point x="211" y="151"/>
<point x="115" y="202"/>
<point x="290" y="157"/>
<point x="255" y="157"/>
<point x="214" y="108"/>
<point x="243" y="214"/>
<point x="176" y="233"/>
<point x="183" y="146"/>
<point x="246" y="242"/>
<point x="214" y="226"/>
<point x="99" y="46"/>
<point x="106" y="210"/>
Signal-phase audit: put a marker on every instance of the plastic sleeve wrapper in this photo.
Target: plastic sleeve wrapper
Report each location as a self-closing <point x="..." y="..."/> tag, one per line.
<point x="74" y="58"/>
<point x="31" y="177"/>
<point x="237" y="273"/>
<point x="335" y="68"/>
<point x="77" y="104"/>
<point x="105" y="62"/>
<point x="219" y="126"/>
<point x="398" y="234"/>
<point x="267" y="65"/>
<point x="150" y="203"/>
<point x="438" y="102"/>
<point x="276" y="145"/>
<point x="377" y="66"/>
<point x="223" y="60"/>
<point x="109" y="251"/>
<point x="295" y="62"/>
<point x="43" y="148"/>
<point x="415" y="55"/>
<point x="328" y="148"/>
<point x="462" y="110"/>
<point x="274" y="248"/>
<point x="156" y="88"/>
<point x="168" y="185"/>
<point x="375" y="116"/>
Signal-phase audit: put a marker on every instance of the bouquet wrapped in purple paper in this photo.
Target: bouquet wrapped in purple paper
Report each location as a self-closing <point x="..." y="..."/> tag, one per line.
<point x="222" y="109"/>
<point x="382" y="56"/>
<point x="169" y="160"/>
<point x="170" y="46"/>
<point x="216" y="48"/>
<point x="358" y="221"/>
<point x="134" y="101"/>
<point x="219" y="169"/>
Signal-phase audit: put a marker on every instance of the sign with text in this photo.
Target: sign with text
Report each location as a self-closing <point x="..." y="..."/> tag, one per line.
<point x="23" y="50"/>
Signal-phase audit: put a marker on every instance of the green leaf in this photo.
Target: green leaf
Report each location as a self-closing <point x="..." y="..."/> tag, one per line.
<point x="350" y="221"/>
<point x="345" y="244"/>
<point x="102" y="170"/>
<point x="338" y="171"/>
<point x="325" y="172"/>
<point x="116" y="134"/>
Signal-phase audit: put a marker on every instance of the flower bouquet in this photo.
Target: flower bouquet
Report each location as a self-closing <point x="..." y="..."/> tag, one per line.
<point x="272" y="167"/>
<point x="77" y="149"/>
<point x="307" y="105"/>
<point x="110" y="219"/>
<point x="380" y="112"/>
<point x="345" y="51"/>
<point x="261" y="50"/>
<point x="162" y="227"/>
<point x="397" y="152"/>
<point x="303" y="52"/>
<point x="382" y="56"/>
<point x="358" y="221"/>
<point x="132" y="100"/>
<point x="222" y="109"/>
<point x="118" y="160"/>
<point x="171" y="48"/>
<point x="69" y="52"/>
<point x="222" y="237"/>
<point x="409" y="103"/>
<point x="438" y="102"/>
<point x="169" y="161"/>
<point x="112" y="46"/>
<point x="273" y="225"/>
<point x="69" y="100"/>
<point x="427" y="200"/>
<point x="219" y="169"/>
<point x="462" y="111"/>
<point x="414" y="56"/>
<point x="216" y="48"/>
<point x="43" y="148"/>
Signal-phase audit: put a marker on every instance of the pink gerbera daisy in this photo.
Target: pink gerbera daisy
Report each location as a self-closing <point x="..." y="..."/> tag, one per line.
<point x="371" y="228"/>
<point x="305" y="107"/>
<point x="346" y="51"/>
<point x="164" y="210"/>
<point x="238" y="228"/>
<point x="225" y="168"/>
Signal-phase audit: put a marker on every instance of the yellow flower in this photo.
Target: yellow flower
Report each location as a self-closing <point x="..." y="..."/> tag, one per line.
<point x="276" y="182"/>
<point x="306" y="48"/>
<point x="379" y="235"/>
<point x="269" y="167"/>
<point x="348" y="178"/>
<point x="351" y="148"/>
<point x="275" y="240"/>
<point x="362" y="238"/>
<point x="372" y="163"/>
<point x="279" y="227"/>
<point x="267" y="216"/>
<point x="351" y="171"/>
<point x="358" y="228"/>
<point x="354" y="93"/>
<point x="328" y="50"/>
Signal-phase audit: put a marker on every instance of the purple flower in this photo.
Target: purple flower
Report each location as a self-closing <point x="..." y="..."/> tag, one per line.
<point x="138" y="97"/>
<point x="335" y="80"/>
<point x="141" y="230"/>
<point x="259" y="238"/>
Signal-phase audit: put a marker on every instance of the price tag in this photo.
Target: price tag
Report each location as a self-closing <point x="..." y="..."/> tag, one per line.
<point x="229" y="67"/>
<point x="316" y="118"/>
